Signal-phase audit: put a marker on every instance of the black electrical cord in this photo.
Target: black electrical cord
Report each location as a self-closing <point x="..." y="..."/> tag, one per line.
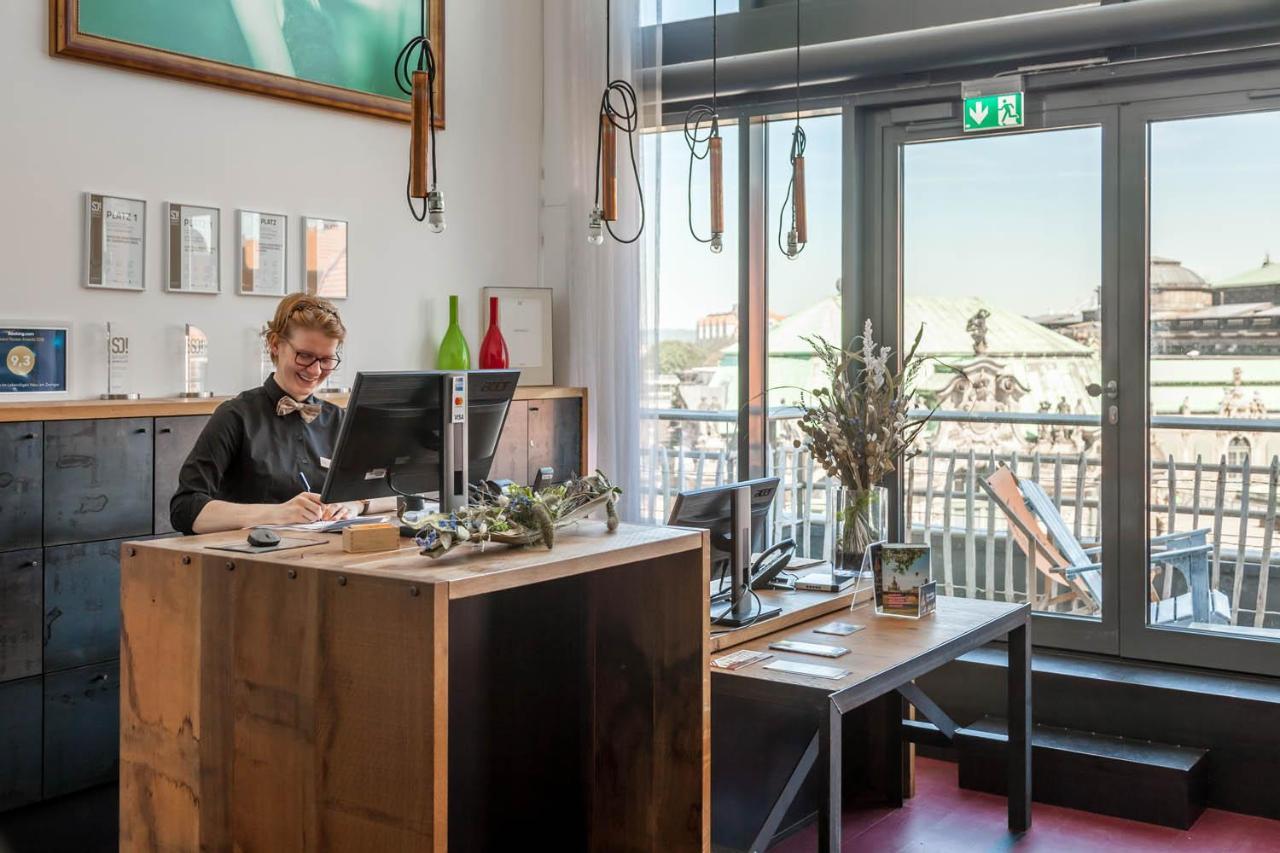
<point x="699" y="144"/>
<point x="699" y="149"/>
<point x="417" y="52"/>
<point x="625" y="118"/>
<point x="797" y="150"/>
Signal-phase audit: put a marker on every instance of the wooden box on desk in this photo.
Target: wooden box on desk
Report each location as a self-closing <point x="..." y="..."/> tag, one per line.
<point x="316" y="700"/>
<point x="366" y="538"/>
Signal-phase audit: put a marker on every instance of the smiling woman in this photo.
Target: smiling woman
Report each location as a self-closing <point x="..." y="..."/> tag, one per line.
<point x="256" y="460"/>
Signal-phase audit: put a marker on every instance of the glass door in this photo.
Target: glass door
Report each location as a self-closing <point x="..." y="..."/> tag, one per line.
<point x="1002" y="262"/>
<point x="1203" y="464"/>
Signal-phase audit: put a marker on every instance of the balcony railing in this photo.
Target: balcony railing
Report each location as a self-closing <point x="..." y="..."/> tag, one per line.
<point x="1233" y="500"/>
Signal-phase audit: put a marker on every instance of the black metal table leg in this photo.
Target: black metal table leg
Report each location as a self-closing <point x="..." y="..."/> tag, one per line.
<point x="830" y="759"/>
<point x="1020" y="728"/>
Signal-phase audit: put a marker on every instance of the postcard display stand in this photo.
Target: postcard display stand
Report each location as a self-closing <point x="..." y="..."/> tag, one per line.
<point x="902" y="584"/>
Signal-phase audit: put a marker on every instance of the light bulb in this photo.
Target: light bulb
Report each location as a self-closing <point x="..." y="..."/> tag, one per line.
<point x="717" y="244"/>
<point x="435" y="211"/>
<point x="793" y="243"/>
<point x="595" y="229"/>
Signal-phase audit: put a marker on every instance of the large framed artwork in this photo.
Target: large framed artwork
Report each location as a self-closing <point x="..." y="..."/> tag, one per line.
<point x="334" y="53"/>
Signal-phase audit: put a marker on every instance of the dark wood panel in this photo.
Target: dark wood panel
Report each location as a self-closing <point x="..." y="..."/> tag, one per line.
<point x="21" y="480"/>
<point x="511" y="459"/>
<point x="97" y="480"/>
<point x="81" y="728"/>
<point x="81" y="604"/>
<point x="20" y="614"/>
<point x="20" y="769"/>
<point x="174" y="439"/>
<point x="555" y="437"/>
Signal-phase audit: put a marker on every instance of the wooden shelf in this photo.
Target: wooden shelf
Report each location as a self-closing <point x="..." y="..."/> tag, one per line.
<point x="159" y="407"/>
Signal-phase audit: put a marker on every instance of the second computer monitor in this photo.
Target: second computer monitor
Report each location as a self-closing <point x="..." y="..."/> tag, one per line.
<point x="392" y="433"/>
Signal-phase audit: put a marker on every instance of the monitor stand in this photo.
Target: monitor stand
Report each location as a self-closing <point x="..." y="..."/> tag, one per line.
<point x="743" y="607"/>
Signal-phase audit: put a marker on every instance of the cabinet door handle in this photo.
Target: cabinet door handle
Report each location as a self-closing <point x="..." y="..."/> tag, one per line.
<point x="140" y="431"/>
<point x="29" y="564"/>
<point x="29" y="436"/>
<point x="164" y="430"/>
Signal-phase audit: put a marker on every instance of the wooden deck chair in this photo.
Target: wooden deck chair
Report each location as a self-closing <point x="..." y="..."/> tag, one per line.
<point x="1060" y="555"/>
<point x="1053" y="552"/>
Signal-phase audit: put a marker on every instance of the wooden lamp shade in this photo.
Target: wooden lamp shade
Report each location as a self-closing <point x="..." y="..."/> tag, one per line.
<point x="419" y="136"/>
<point x="802" y="218"/>
<point x="608" y="168"/>
<point x="717" y="185"/>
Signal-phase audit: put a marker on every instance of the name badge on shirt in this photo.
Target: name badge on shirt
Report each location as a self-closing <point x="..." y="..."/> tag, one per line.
<point x="324" y="463"/>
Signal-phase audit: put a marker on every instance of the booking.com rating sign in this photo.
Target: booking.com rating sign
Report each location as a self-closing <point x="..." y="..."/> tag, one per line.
<point x="993" y="112"/>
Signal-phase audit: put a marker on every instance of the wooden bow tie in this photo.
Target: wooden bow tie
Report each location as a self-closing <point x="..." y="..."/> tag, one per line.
<point x="308" y="411"/>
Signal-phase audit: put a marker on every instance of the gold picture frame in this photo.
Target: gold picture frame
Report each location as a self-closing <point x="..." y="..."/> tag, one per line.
<point x="67" y="39"/>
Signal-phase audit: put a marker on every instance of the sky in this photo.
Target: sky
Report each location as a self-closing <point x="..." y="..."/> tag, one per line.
<point x="1014" y="219"/>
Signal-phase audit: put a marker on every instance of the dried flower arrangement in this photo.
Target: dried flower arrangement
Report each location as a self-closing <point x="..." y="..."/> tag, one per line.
<point x="860" y="427"/>
<point x="520" y="516"/>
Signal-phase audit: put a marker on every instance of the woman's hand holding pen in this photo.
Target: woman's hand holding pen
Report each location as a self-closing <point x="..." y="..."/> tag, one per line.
<point x="302" y="508"/>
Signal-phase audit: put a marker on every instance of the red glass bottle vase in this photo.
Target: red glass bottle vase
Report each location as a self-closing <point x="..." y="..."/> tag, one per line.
<point x="493" y="350"/>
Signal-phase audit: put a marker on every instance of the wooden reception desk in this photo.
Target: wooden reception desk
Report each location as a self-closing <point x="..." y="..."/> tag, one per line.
<point x="512" y="699"/>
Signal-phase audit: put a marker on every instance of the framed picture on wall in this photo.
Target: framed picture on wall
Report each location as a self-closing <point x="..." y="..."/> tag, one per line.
<point x="524" y="317"/>
<point x="264" y="243"/>
<point x="338" y="55"/>
<point x="193" y="259"/>
<point x="324" y="257"/>
<point x="115" y="236"/>
<point x="35" y="362"/>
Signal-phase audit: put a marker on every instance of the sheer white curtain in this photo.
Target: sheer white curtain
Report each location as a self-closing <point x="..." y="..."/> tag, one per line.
<point x="600" y="289"/>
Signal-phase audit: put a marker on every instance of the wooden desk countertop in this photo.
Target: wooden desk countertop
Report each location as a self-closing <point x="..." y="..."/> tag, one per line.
<point x="158" y="407"/>
<point x="466" y="571"/>
<point x="885" y="643"/>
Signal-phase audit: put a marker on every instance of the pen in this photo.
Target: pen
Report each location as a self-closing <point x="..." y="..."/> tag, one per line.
<point x="305" y="484"/>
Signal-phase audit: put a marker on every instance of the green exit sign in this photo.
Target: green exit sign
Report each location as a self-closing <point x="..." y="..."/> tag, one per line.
<point x="993" y="112"/>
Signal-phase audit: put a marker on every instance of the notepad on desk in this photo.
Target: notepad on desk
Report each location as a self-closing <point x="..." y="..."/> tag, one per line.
<point x="332" y="526"/>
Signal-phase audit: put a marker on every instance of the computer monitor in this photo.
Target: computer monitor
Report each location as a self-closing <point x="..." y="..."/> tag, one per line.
<point x="735" y="514"/>
<point x="409" y="432"/>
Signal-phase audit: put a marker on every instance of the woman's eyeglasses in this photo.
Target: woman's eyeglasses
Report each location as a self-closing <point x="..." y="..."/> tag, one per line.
<point x="305" y="359"/>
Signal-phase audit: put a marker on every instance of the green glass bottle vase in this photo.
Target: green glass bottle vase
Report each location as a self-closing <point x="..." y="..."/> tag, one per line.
<point x="454" y="354"/>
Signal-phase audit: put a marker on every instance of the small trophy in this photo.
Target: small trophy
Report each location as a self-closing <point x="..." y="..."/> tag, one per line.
<point x="118" y="367"/>
<point x="333" y="384"/>
<point x="265" y="366"/>
<point x="196" y="363"/>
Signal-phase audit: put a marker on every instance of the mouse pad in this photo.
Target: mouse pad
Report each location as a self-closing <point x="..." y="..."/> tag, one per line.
<point x="285" y="544"/>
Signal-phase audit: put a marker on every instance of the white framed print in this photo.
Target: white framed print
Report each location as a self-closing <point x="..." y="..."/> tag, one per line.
<point x="35" y="360"/>
<point x="263" y="264"/>
<point x="193" y="261"/>
<point x="324" y="257"/>
<point x="115" y="239"/>
<point x="524" y="317"/>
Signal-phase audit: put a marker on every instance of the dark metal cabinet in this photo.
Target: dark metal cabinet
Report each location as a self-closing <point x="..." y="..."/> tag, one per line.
<point x="81" y="604"/>
<point x="20" y="725"/>
<point x="555" y="437"/>
<point x="174" y="439"/>
<point x="97" y="479"/>
<point x="21" y="480"/>
<point x="81" y="728"/>
<point x="511" y="459"/>
<point x="19" y="614"/>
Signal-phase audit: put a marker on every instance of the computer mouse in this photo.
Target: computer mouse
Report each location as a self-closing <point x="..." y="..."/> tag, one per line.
<point x="260" y="537"/>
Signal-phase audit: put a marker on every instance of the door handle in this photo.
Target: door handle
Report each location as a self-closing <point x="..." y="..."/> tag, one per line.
<point x="1112" y="390"/>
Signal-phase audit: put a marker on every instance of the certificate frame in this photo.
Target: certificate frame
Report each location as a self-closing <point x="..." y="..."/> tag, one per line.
<point x="315" y="270"/>
<point x="95" y="214"/>
<point x="42" y="325"/>
<point x="247" y="279"/>
<point x="530" y="343"/>
<point x="173" y="270"/>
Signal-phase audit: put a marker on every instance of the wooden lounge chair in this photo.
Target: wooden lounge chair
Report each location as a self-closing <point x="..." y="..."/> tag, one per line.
<point x="1039" y="530"/>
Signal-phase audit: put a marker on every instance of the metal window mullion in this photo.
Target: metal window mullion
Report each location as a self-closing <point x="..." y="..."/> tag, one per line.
<point x="753" y="303"/>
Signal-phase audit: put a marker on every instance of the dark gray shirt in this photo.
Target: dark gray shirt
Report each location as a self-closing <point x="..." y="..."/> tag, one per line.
<point x="249" y="454"/>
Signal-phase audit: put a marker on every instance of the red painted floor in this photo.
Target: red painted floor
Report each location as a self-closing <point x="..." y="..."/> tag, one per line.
<point x="942" y="817"/>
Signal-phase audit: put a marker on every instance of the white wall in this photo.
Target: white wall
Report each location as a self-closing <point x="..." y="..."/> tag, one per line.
<point x="67" y="127"/>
